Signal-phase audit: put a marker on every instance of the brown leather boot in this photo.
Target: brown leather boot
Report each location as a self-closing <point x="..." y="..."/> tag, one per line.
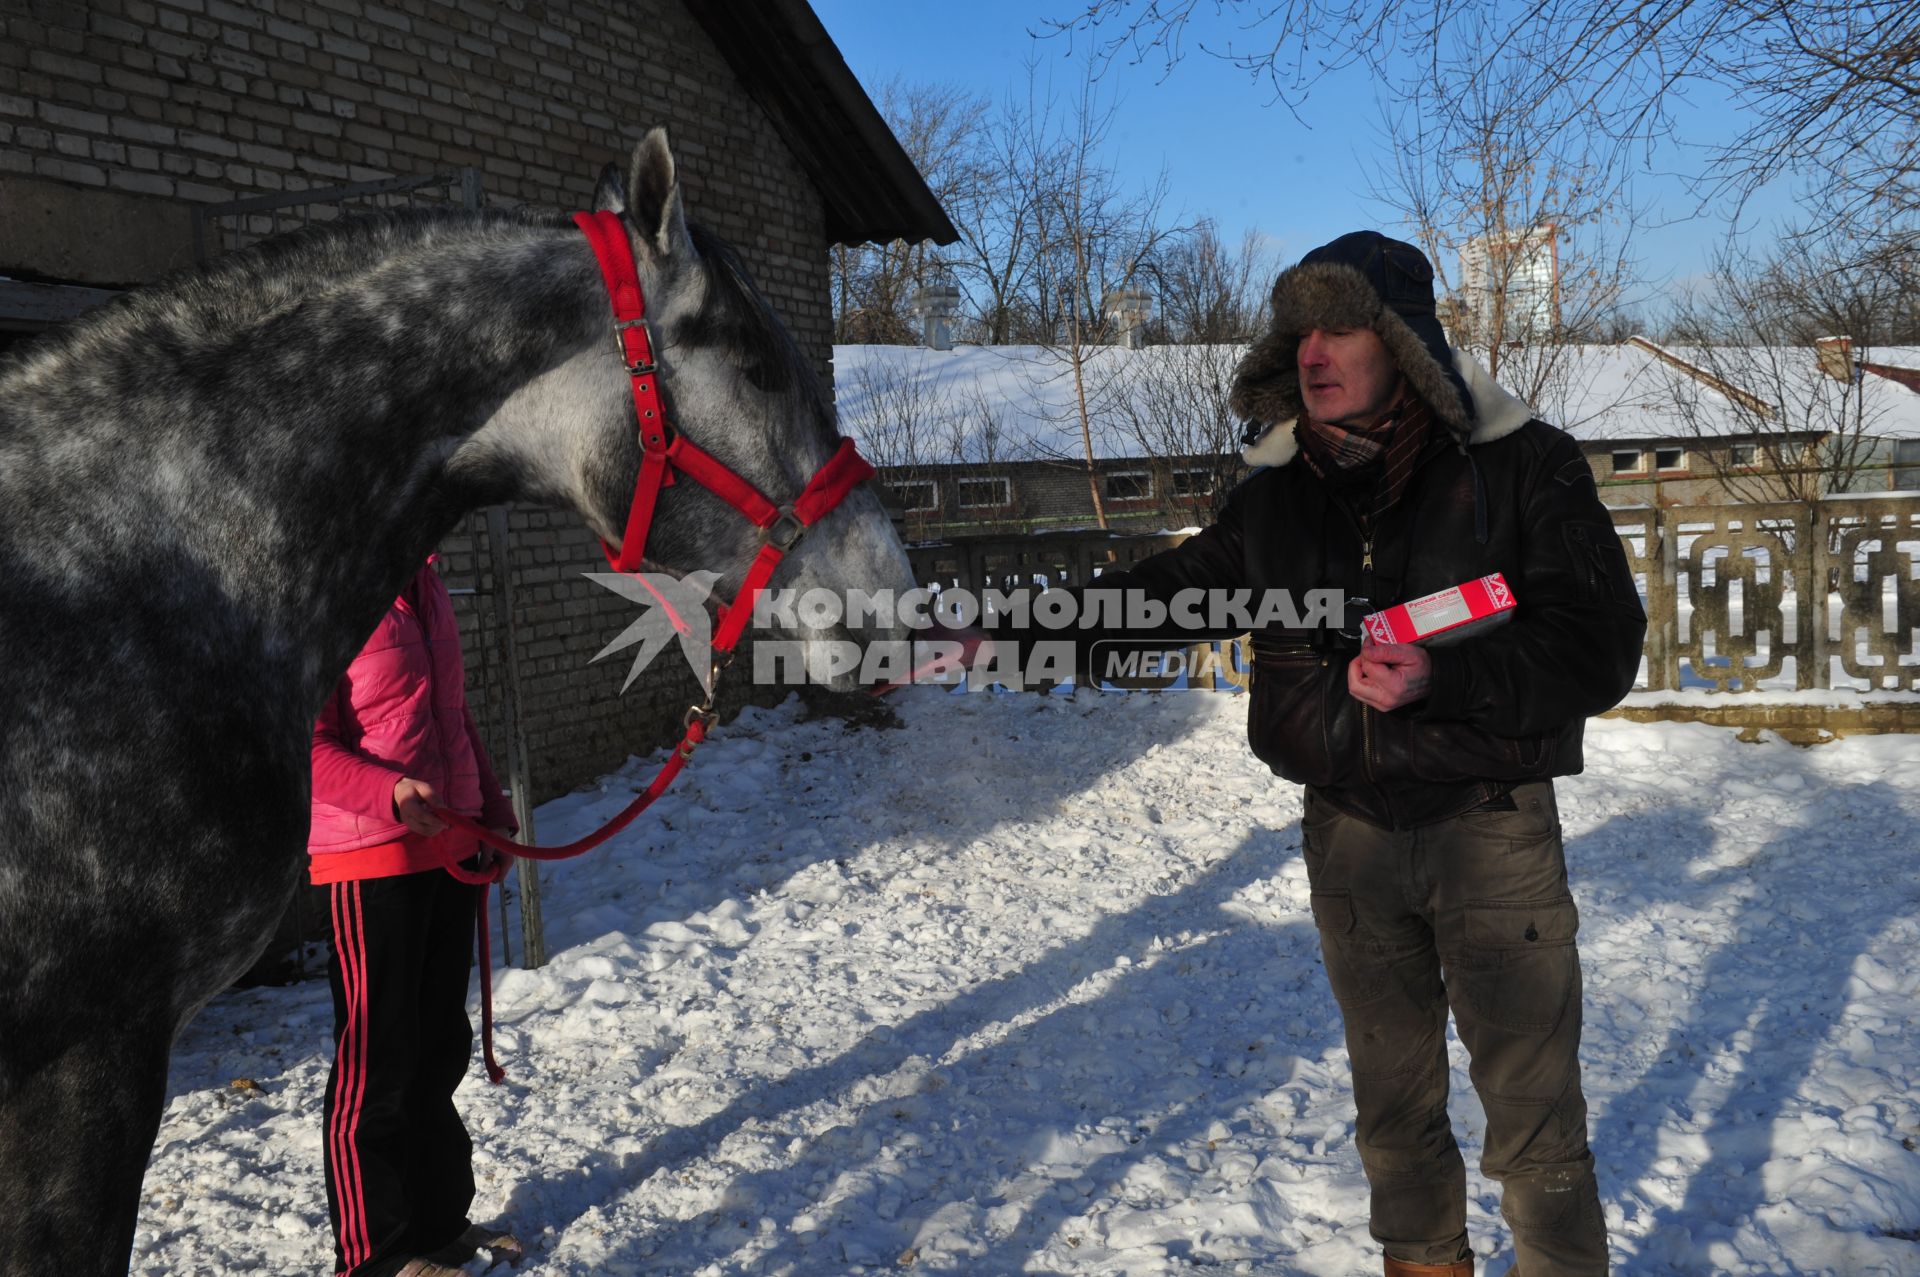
<point x="1401" y="1268"/>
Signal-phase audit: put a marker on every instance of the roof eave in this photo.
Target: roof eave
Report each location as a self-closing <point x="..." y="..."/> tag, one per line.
<point x="869" y="187"/>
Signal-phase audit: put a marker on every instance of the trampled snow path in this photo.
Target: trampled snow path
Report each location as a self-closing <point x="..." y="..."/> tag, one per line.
<point x="1030" y="985"/>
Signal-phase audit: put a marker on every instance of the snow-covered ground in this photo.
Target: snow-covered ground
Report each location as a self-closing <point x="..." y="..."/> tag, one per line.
<point x="1030" y="984"/>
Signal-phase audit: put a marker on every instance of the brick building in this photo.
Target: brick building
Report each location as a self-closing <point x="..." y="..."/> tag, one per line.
<point x="119" y="119"/>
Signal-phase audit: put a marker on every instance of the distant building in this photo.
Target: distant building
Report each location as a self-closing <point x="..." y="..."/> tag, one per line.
<point x="1510" y="284"/>
<point x="987" y="439"/>
<point x="1712" y="424"/>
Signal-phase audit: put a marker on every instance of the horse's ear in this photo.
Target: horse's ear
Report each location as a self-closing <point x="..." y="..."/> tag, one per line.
<point x="610" y="196"/>
<point x="654" y="203"/>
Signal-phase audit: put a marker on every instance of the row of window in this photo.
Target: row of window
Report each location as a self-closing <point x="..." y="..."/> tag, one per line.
<point x="1634" y="460"/>
<point x="994" y="492"/>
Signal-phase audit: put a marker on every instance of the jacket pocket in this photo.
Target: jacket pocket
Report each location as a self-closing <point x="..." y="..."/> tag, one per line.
<point x="1289" y="721"/>
<point x="1451" y="752"/>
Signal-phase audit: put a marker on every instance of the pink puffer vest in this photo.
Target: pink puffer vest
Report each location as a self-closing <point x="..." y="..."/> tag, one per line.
<point x="400" y="710"/>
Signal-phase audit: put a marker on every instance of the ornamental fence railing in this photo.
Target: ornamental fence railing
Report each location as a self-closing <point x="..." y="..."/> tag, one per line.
<point x="1821" y="596"/>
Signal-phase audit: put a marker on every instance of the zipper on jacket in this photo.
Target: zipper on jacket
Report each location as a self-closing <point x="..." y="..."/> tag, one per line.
<point x="1365" y="534"/>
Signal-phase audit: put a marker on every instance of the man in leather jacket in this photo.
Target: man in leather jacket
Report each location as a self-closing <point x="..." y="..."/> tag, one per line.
<point x="1389" y="467"/>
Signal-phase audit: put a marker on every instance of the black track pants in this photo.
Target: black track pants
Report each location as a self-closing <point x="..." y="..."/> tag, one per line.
<point x="399" y="1163"/>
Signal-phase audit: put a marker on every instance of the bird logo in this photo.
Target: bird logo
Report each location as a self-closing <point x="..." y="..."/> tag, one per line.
<point x="675" y="607"/>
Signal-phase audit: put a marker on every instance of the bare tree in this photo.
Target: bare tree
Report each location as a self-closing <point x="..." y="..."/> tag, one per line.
<point x="1816" y="283"/>
<point x="1528" y="225"/>
<point x="940" y="126"/>
<point x="1209" y="292"/>
<point x="1288" y="44"/>
<point x="999" y="214"/>
<point x="897" y="413"/>
<point x="1777" y="417"/>
<point x="918" y="428"/>
<point x="1169" y="404"/>
<point x="1093" y="242"/>
<point x="1829" y="89"/>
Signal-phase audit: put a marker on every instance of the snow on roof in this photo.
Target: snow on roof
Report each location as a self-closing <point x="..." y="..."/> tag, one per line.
<point x="975" y="403"/>
<point x="1648" y="391"/>
<point x="1024" y="397"/>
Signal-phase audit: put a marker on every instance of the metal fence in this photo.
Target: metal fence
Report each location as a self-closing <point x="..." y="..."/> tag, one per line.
<point x="1740" y="598"/>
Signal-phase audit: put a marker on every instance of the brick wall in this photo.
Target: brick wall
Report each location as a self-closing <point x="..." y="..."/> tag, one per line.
<point x="123" y="113"/>
<point x="204" y="100"/>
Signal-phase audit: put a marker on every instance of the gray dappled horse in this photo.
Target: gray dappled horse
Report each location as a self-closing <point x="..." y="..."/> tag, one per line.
<point x="210" y="491"/>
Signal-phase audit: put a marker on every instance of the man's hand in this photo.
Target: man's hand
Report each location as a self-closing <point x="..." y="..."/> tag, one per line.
<point x="413" y="802"/>
<point x="1389" y="675"/>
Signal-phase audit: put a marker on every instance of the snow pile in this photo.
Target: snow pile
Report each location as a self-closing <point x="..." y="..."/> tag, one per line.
<point x="1031" y="985"/>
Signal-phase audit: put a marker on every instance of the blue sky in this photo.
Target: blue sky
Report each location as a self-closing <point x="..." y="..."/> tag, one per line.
<point x="1229" y="150"/>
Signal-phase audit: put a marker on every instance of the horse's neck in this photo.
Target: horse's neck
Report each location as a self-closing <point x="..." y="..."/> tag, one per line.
<point x="293" y="475"/>
<point x="462" y="333"/>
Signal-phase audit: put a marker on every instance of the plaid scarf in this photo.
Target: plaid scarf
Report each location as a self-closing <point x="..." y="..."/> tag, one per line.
<point x="1341" y="455"/>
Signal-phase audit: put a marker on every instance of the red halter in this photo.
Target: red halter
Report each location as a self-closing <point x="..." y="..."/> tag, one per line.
<point x="663" y="452"/>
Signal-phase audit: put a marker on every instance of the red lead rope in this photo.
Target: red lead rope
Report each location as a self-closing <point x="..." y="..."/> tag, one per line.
<point x="661" y="454"/>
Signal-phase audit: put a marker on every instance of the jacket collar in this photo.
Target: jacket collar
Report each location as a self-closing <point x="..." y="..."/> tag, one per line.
<point x="1496" y="415"/>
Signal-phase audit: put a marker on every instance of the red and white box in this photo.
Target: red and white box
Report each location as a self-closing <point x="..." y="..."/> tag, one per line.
<point x="1445" y="617"/>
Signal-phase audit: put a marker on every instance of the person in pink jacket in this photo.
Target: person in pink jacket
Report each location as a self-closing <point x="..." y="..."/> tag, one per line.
<point x="394" y="741"/>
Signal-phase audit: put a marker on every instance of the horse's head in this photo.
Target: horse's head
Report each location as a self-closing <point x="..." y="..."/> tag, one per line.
<point x="735" y="383"/>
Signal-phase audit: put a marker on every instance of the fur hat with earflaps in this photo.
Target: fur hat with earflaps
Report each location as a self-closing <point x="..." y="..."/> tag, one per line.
<point x="1361" y="280"/>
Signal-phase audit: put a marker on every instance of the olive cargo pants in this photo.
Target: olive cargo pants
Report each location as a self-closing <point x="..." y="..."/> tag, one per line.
<point x="1471" y="913"/>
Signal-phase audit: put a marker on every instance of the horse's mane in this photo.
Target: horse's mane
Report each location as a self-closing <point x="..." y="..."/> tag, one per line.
<point x="199" y="304"/>
<point x="198" y="307"/>
<point x="743" y="321"/>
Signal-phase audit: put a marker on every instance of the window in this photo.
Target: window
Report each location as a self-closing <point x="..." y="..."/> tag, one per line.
<point x="1744" y="454"/>
<point x="1192" y="483"/>
<point x="1627" y="461"/>
<point x="916" y="497"/>
<point x="976" y="494"/>
<point x="1129" y="485"/>
<point x="1670" y="458"/>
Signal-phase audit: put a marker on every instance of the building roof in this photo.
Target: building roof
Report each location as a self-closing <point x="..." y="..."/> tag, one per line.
<point x="788" y="63"/>
<point x="1641" y="391"/>
<point x="1600" y="394"/>
<point x="1004" y="403"/>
